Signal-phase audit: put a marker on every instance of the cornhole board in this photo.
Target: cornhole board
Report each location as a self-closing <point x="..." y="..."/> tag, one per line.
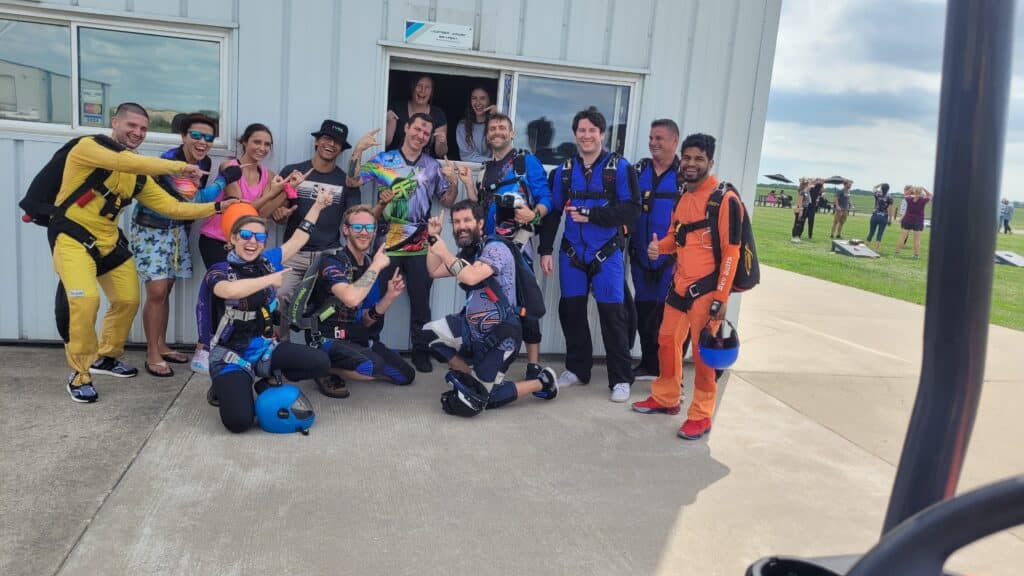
<point x="1010" y="258"/>
<point x="856" y="250"/>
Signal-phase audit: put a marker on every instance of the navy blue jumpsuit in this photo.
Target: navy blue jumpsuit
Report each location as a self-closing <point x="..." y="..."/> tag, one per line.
<point x="651" y="279"/>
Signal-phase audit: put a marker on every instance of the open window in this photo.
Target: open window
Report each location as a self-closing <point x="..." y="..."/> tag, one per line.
<point x="452" y="88"/>
<point x="540" y="99"/>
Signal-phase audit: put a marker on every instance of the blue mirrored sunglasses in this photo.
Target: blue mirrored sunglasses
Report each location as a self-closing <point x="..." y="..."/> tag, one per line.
<point x="249" y="234"/>
<point x="197" y="135"/>
<point x="361" y="227"/>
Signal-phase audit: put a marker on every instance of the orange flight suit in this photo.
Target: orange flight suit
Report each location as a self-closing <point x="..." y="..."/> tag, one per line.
<point x="694" y="260"/>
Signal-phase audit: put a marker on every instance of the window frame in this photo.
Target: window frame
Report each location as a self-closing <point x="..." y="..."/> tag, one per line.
<point x="515" y="67"/>
<point x="74" y="20"/>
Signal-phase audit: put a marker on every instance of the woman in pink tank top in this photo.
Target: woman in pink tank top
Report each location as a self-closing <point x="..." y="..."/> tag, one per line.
<point x="257" y="186"/>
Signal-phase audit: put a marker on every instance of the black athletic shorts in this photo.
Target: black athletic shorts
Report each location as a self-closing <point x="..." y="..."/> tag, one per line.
<point x="917" y="227"/>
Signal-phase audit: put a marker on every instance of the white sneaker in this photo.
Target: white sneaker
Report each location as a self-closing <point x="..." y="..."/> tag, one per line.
<point x="620" y="393"/>
<point x="567" y="378"/>
<point x="201" y="361"/>
<point x="795" y="240"/>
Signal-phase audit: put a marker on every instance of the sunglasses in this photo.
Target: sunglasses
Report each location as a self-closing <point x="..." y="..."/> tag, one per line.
<point x="197" y="135"/>
<point x="361" y="227"/>
<point x="249" y="235"/>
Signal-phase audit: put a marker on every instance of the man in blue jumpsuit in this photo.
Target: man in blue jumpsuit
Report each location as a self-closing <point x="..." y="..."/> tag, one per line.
<point x="659" y="191"/>
<point x="596" y="190"/>
<point x="514" y="194"/>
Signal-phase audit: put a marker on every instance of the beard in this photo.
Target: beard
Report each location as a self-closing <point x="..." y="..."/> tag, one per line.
<point x="465" y="240"/>
<point x="701" y="174"/>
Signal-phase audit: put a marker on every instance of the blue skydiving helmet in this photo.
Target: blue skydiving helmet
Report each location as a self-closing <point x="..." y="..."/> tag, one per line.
<point x="718" y="351"/>
<point x="284" y="409"/>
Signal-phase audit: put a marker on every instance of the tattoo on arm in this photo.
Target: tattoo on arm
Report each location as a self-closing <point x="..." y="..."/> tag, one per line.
<point x="353" y="166"/>
<point x="366" y="280"/>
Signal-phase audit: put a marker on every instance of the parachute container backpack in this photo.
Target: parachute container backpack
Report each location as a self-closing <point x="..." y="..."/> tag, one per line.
<point x="718" y="351"/>
<point x="284" y="410"/>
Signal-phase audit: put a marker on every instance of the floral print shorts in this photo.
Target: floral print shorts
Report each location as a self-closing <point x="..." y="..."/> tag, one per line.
<point x="161" y="254"/>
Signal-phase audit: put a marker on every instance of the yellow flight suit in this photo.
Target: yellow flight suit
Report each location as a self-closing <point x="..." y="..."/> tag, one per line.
<point x="77" y="269"/>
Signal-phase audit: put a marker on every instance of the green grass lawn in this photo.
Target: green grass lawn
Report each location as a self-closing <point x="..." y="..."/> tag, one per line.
<point x="896" y="276"/>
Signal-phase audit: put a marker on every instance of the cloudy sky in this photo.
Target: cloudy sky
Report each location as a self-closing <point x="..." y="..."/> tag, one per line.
<point x="855" y="92"/>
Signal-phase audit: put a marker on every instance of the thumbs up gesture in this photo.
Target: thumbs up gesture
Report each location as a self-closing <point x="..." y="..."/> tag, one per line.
<point x="652" y="249"/>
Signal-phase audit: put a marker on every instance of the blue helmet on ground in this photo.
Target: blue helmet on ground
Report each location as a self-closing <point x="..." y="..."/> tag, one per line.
<point x="284" y="409"/>
<point x="718" y="351"/>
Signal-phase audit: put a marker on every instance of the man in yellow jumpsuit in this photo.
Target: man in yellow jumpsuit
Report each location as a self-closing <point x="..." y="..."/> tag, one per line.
<point x="87" y="243"/>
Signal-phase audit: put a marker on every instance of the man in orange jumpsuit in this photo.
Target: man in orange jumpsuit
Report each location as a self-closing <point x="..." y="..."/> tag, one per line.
<point x="700" y="286"/>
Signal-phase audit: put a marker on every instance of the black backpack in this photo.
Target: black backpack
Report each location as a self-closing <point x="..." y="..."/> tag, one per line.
<point x="39" y="201"/>
<point x="529" y="297"/>
<point x="748" y="272"/>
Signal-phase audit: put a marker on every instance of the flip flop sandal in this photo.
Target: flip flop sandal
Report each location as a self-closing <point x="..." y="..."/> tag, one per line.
<point x="174" y="357"/>
<point x="168" y="374"/>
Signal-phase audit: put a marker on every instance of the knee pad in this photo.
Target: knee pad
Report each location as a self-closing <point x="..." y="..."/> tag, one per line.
<point x="443" y="344"/>
<point x="401" y="375"/>
<point x="502" y="394"/>
<point x="467" y="398"/>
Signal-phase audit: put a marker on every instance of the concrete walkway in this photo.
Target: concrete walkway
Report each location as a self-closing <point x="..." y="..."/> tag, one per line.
<point x="801" y="462"/>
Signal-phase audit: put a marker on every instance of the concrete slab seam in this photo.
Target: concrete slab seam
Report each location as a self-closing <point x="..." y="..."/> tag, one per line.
<point x="815" y="420"/>
<point x="121" y="476"/>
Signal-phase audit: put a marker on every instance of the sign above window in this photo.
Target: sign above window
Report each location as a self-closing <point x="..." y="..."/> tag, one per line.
<point x="439" y="34"/>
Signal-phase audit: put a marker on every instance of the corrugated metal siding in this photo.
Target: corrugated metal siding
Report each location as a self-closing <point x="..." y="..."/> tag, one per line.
<point x="298" y="61"/>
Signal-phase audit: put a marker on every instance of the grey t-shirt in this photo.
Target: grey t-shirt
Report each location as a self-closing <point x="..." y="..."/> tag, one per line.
<point x="478" y="151"/>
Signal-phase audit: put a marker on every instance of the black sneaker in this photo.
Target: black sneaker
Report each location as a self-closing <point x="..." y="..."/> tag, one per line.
<point x="549" y="380"/>
<point x="532" y="371"/>
<point x="211" y="397"/>
<point x="422" y="363"/>
<point x="261" y="385"/>
<point x="641" y="373"/>
<point x="112" y="367"/>
<point x="83" y="393"/>
<point x="332" y="386"/>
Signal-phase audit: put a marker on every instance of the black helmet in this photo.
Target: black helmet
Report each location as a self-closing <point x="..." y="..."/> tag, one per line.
<point x="467" y="398"/>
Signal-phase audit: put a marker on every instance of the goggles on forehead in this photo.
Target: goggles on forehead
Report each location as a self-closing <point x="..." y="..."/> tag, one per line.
<point x="249" y="235"/>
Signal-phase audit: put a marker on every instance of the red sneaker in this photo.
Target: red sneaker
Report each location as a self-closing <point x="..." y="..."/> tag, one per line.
<point x="650" y="406"/>
<point x="695" y="429"/>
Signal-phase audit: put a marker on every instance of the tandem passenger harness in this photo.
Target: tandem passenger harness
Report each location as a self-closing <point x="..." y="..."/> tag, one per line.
<point x="608" y="180"/>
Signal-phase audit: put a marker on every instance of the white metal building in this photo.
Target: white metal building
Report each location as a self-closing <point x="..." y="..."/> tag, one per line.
<point x="292" y="63"/>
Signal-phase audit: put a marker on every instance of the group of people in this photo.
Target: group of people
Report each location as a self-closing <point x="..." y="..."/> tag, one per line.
<point x="810" y="197"/>
<point x="343" y="264"/>
<point x="911" y="213"/>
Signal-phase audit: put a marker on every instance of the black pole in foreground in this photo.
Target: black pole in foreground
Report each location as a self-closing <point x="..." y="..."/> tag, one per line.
<point x="968" y="172"/>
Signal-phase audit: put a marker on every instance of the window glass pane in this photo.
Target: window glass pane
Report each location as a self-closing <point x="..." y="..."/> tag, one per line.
<point x="166" y="76"/>
<point x="35" y="72"/>
<point x="544" y="111"/>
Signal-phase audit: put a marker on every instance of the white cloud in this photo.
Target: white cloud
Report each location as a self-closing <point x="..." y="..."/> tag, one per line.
<point x="822" y="54"/>
<point x="883" y="151"/>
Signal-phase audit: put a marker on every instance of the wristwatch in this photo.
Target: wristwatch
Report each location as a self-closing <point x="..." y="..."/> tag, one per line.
<point x="431" y="240"/>
<point x="715" y="307"/>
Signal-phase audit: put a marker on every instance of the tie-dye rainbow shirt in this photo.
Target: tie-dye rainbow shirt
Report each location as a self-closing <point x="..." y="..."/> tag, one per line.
<point x="415" y="184"/>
